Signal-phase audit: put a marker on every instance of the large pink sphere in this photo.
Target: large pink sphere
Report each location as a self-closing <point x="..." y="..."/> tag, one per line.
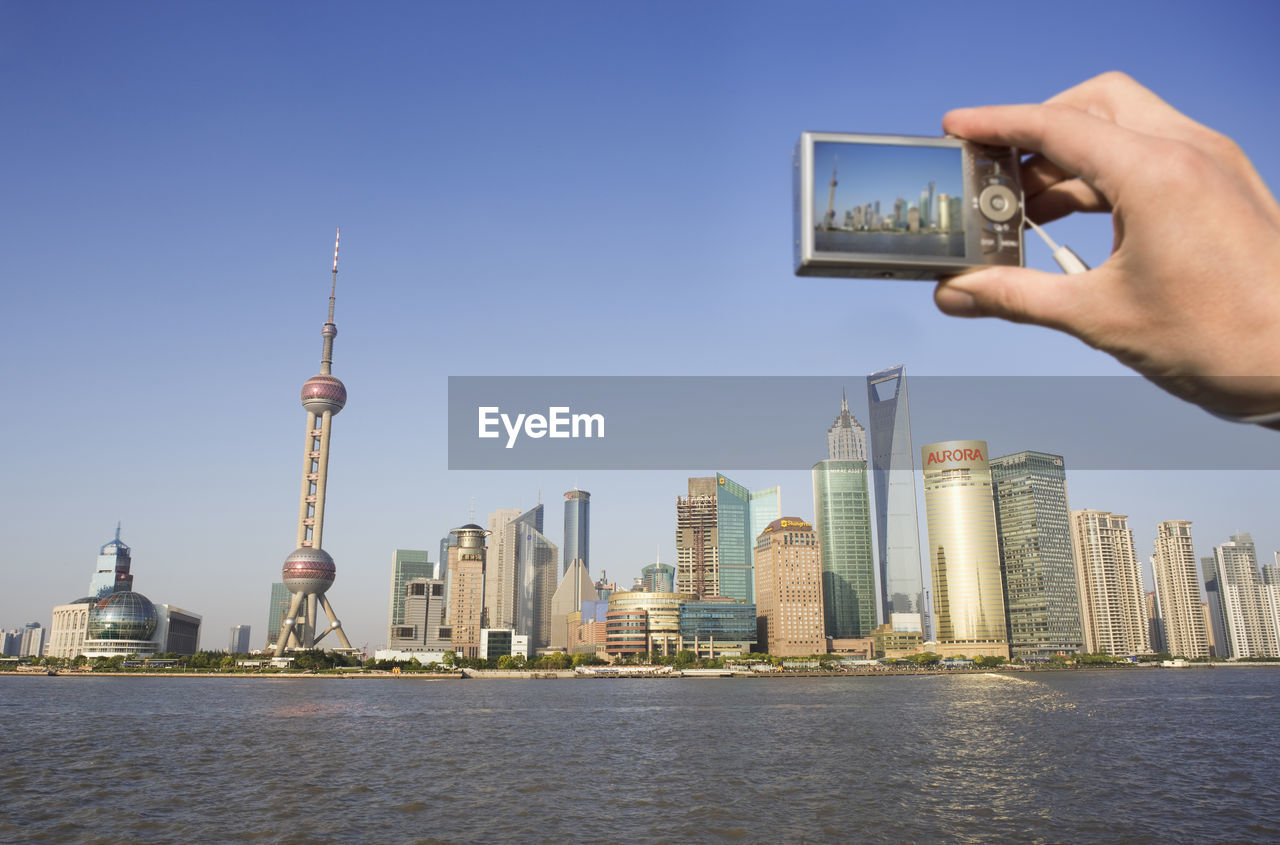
<point x="323" y="393"/>
<point x="309" y="571"/>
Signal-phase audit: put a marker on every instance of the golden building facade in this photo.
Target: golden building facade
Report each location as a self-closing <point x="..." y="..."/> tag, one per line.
<point x="964" y="550"/>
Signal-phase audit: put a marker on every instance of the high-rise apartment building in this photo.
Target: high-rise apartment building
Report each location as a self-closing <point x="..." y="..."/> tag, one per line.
<point x="1109" y="581"/>
<point x="465" y="608"/>
<point x="893" y="472"/>
<point x="577" y="528"/>
<point x="964" y="553"/>
<point x="1243" y="596"/>
<point x="842" y="520"/>
<point x="1042" y="607"/>
<point x="32" y="644"/>
<point x="1178" y="592"/>
<point x="789" y="616"/>
<point x="1155" y="630"/>
<point x="240" y="640"/>
<point x="406" y="565"/>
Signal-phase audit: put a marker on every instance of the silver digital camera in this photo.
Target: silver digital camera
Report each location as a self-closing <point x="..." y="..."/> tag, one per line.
<point x="902" y="207"/>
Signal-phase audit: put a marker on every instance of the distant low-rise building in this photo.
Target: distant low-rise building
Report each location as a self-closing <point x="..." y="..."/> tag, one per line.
<point x="499" y="642"/>
<point x="717" y="627"/>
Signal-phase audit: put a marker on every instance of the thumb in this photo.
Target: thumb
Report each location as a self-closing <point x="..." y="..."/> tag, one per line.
<point x="1015" y="293"/>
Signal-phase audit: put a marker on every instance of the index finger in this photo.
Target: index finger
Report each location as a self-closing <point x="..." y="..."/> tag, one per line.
<point x="1095" y="149"/>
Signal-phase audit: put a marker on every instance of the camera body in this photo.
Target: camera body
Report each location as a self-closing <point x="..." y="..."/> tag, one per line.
<point x="904" y="207"/>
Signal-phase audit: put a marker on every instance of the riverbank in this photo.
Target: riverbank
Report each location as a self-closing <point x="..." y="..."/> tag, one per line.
<point x="607" y="672"/>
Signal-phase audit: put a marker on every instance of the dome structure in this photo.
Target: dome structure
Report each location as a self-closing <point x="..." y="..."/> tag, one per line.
<point x="322" y="393"/>
<point x="122" y="616"/>
<point x="309" y="570"/>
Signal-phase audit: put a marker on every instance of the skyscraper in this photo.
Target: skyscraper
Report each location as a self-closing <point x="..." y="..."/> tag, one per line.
<point x="112" y="571"/>
<point x="240" y="639"/>
<point x="697" y="560"/>
<point x="501" y="574"/>
<point x="1109" y="582"/>
<point x="406" y="565"/>
<point x="276" y="610"/>
<point x="465" y="608"/>
<point x="1041" y="603"/>
<point x="713" y="546"/>
<point x="658" y="577"/>
<point x="575" y="588"/>
<point x="309" y="571"/>
<point x="964" y="553"/>
<point x="1178" y="591"/>
<point x="32" y="644"/>
<point x="842" y="520"/>
<point x="537" y="559"/>
<point x="1243" y="595"/>
<point x="846" y="439"/>
<point x="893" y="470"/>
<point x="1217" y="627"/>
<point x="733" y="530"/>
<point x="789" y="618"/>
<point x="577" y="528"/>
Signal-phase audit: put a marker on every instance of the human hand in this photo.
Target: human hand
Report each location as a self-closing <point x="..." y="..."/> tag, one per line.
<point x="1190" y="296"/>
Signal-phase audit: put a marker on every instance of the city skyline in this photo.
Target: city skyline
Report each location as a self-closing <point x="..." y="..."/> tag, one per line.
<point x="880" y="175"/>
<point x="184" y="168"/>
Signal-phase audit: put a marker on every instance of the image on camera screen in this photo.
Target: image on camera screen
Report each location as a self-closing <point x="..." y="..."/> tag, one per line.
<point x="888" y="199"/>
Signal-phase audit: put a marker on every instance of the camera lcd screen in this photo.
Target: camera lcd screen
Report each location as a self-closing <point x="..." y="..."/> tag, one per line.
<point x="886" y="199"/>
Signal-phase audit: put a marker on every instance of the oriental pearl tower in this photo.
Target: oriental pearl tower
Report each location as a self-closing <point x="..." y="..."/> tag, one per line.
<point x="309" y="571"/>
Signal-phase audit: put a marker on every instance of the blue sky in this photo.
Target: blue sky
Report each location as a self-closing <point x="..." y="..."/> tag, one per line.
<point x="565" y="188"/>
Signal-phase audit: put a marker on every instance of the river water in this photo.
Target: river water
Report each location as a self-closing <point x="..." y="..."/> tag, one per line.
<point x="1091" y="756"/>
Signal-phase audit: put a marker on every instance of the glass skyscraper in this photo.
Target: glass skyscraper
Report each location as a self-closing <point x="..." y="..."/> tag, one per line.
<point x="535" y="576"/>
<point x="1032" y="516"/>
<point x="893" y="476"/>
<point x="577" y="528"/>
<point x="406" y="564"/>
<point x="733" y="528"/>
<point x="280" y="598"/>
<point x="842" y="519"/>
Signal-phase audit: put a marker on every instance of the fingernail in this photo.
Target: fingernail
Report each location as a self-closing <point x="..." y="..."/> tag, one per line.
<point x="955" y="302"/>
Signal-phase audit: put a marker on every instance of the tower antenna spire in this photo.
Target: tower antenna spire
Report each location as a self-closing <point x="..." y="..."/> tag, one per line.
<point x="333" y="289"/>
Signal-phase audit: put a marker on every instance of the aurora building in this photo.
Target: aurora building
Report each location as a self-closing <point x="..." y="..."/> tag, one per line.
<point x="1042" y="607"/>
<point x="842" y="520"/>
<point x="964" y="554"/>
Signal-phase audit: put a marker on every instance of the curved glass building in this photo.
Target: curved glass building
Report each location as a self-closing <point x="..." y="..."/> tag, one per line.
<point x="123" y="623"/>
